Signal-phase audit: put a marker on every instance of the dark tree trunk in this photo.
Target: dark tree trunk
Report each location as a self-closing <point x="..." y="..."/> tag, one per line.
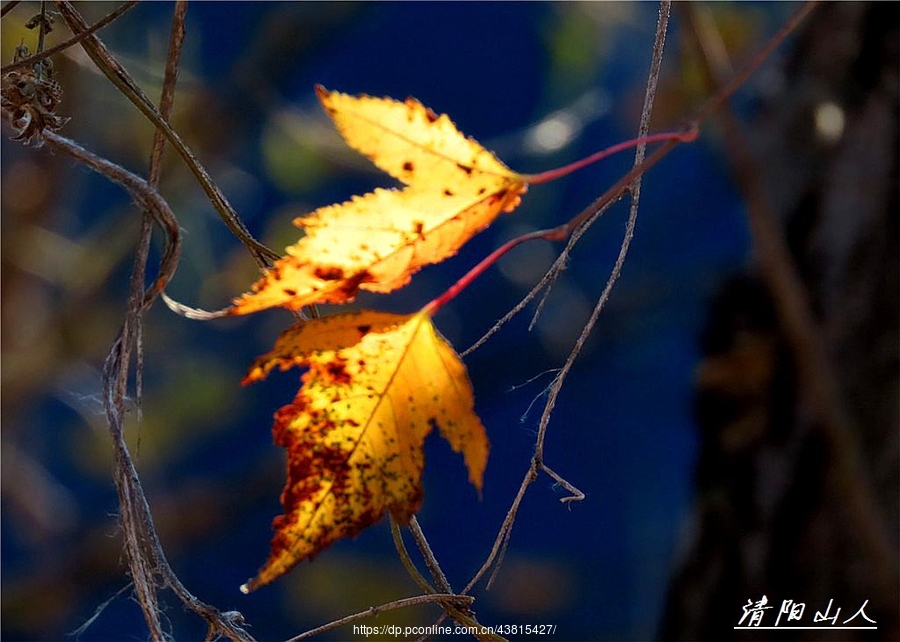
<point x="767" y="517"/>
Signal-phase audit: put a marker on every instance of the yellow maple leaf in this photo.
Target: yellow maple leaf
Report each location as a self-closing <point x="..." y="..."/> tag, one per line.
<point x="377" y="384"/>
<point x="412" y="143"/>
<point x="455" y="188"/>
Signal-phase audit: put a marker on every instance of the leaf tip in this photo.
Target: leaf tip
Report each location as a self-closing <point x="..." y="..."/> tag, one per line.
<point x="246" y="588"/>
<point x="252" y="377"/>
<point x="321" y="92"/>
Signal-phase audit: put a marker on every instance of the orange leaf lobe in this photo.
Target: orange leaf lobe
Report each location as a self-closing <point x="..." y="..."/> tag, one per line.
<point x="376" y="386"/>
<point x="455" y="188"/>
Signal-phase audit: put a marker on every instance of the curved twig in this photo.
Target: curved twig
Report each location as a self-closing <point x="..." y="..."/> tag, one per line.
<point x="120" y="77"/>
<point x="8" y="7"/>
<point x="142" y="192"/>
<point x="625" y="183"/>
<point x="147" y="561"/>
<point x="462" y="600"/>
<point x="46" y="53"/>
<point x="631" y="181"/>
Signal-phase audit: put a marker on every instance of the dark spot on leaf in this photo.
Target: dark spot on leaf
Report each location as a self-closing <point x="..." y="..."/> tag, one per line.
<point x="289" y="291"/>
<point x="467" y="170"/>
<point x="418" y="226"/>
<point x="329" y="273"/>
<point x="351" y="285"/>
<point x="448" y="192"/>
<point x="482" y="191"/>
<point x="335" y="372"/>
<point x="408" y="166"/>
<point x="364" y="329"/>
<point x="431" y="116"/>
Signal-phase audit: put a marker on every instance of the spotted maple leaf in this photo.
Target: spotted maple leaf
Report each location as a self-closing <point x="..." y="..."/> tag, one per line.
<point x="376" y="385"/>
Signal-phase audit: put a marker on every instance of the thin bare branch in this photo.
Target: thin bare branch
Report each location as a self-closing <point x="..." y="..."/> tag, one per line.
<point x="723" y="94"/>
<point x="42" y="26"/>
<point x="462" y="600"/>
<point x="141" y="545"/>
<point x="635" y="189"/>
<point x="8" y="7"/>
<point x="575" y="494"/>
<point x="139" y="271"/>
<point x="505" y="530"/>
<point x="149" y="568"/>
<point x="633" y="184"/>
<point x="46" y="53"/>
<point x="123" y="81"/>
<point x="406" y="560"/>
<point x="142" y="192"/>
<point x="610" y="196"/>
<point x="428" y="555"/>
<point x="580" y="223"/>
<point x="167" y="99"/>
<point x="227" y="623"/>
<point x="559" y="265"/>
<point x="462" y="615"/>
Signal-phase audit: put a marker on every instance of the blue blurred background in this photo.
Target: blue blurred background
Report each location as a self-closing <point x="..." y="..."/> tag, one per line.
<point x="541" y="84"/>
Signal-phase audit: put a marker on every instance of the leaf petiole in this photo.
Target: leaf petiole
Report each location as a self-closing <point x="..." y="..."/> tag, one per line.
<point x="554" y="234"/>
<point x="687" y="135"/>
<point x="563" y="231"/>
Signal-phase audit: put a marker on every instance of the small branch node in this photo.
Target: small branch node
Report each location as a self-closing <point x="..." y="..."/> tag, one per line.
<point x="575" y="496"/>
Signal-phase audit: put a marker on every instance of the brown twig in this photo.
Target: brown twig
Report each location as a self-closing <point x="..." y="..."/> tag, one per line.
<point x="501" y="541"/>
<point x="428" y="555"/>
<point x="166" y="101"/>
<point x="43" y="26"/>
<point x="46" y="53"/>
<point x="147" y="562"/>
<point x="462" y="600"/>
<point x="167" y="98"/>
<point x="135" y="517"/>
<point x="635" y="188"/>
<point x="406" y="560"/>
<point x="142" y="192"/>
<point x="574" y="229"/>
<point x="119" y="76"/>
<point x="546" y="281"/>
<point x="8" y="7"/>
<point x="632" y="182"/>
<point x="464" y="617"/>
<point x="461" y="615"/>
<point x="727" y="90"/>
<point x="141" y="545"/>
<point x="577" y="226"/>
<point x="227" y="624"/>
